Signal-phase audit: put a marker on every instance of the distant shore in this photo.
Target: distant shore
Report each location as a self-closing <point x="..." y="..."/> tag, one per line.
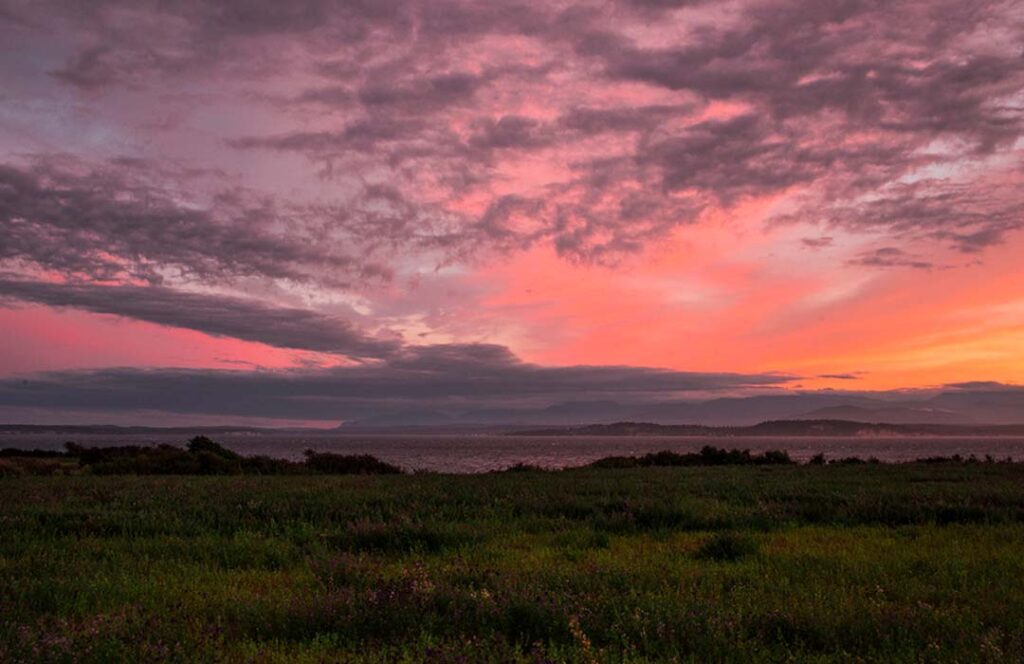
<point x="793" y="427"/>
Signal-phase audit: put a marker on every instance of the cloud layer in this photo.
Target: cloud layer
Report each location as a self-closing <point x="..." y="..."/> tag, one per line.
<point x="443" y="377"/>
<point x="631" y="117"/>
<point x="347" y="177"/>
<point x="213" y="314"/>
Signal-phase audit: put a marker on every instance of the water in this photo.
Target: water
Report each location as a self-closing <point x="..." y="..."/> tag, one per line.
<point x="465" y="453"/>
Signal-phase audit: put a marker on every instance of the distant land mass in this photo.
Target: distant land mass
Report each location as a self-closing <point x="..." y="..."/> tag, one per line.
<point x="115" y="430"/>
<point x="797" y="427"/>
<point x="974" y="406"/>
<point x="956" y="411"/>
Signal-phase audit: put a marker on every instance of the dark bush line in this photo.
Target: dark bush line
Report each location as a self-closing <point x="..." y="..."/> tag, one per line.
<point x="339" y="464"/>
<point x="727" y="547"/>
<point x="11" y="452"/>
<point x="708" y="456"/>
<point x="203" y="456"/>
<point x="522" y="468"/>
<point x="714" y="456"/>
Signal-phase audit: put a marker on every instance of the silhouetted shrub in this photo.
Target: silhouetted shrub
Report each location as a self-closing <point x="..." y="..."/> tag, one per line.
<point x="522" y="468"/>
<point x="773" y="457"/>
<point x="852" y="460"/>
<point x="8" y="452"/>
<point x="615" y="462"/>
<point x="708" y="456"/>
<point x="204" y="444"/>
<point x="354" y="464"/>
<point x="727" y="547"/>
<point x="156" y="460"/>
<point x="264" y="465"/>
<point x="817" y="460"/>
<point x="206" y="457"/>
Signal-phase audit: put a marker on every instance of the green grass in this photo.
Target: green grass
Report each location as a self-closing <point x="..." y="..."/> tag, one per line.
<point x="904" y="563"/>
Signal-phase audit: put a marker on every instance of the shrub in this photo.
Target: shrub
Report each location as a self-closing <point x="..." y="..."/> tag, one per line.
<point x="708" y="456"/>
<point x="727" y="547"/>
<point x="348" y="464"/>
<point x="522" y="468"/>
<point x="615" y="462"/>
<point x="9" y="452"/>
<point x="203" y="444"/>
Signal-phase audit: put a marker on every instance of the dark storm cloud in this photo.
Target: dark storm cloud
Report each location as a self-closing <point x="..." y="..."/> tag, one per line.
<point x="795" y="59"/>
<point x="629" y="119"/>
<point x="591" y="121"/>
<point x="420" y="95"/>
<point x="890" y="257"/>
<point x="88" y="69"/>
<point x="444" y="376"/>
<point x="362" y="135"/>
<point x="220" y="315"/>
<point x="844" y="98"/>
<point x="107" y="223"/>
<point x="969" y="216"/>
<point x="982" y="385"/>
<point x="816" y="242"/>
<point x="509" y="131"/>
<point x="730" y="158"/>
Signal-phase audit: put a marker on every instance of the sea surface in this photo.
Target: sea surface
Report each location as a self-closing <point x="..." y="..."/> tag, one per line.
<point x="467" y="453"/>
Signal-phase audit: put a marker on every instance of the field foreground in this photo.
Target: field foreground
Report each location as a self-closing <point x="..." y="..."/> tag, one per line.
<point x="914" y="562"/>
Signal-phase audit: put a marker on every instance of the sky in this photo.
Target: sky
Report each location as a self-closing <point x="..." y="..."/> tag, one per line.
<point x="321" y="210"/>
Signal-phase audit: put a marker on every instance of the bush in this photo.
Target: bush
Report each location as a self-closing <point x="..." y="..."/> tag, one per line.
<point x="353" y="464"/>
<point x="727" y="547"/>
<point x="708" y="456"/>
<point x="203" y="444"/>
<point x="522" y="468"/>
<point x="615" y="462"/>
<point x="9" y="452"/>
<point x="204" y="456"/>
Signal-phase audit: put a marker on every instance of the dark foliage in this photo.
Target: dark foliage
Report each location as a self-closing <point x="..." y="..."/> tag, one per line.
<point x="727" y="547"/>
<point x="854" y="460"/>
<point x="9" y="452"/>
<point x="708" y="456"/>
<point x="201" y="444"/>
<point x="204" y="456"/>
<point x="354" y="464"/>
<point x="522" y="468"/>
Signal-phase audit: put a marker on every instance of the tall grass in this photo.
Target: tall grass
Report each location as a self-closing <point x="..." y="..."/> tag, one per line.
<point x="916" y="562"/>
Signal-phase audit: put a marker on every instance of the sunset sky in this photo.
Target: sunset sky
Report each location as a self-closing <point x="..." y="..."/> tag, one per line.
<point x="312" y="211"/>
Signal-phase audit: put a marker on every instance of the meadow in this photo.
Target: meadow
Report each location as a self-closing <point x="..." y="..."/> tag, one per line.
<point x="830" y="562"/>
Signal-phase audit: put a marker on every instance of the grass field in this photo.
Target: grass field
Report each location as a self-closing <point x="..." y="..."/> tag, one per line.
<point x="911" y="563"/>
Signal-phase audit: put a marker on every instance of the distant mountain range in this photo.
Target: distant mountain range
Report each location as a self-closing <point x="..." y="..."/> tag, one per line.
<point x="782" y="428"/>
<point x="800" y="427"/>
<point x="115" y="430"/>
<point x="971" y="409"/>
<point x="954" y="406"/>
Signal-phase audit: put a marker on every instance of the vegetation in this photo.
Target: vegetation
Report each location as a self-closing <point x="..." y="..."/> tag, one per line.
<point x="201" y="457"/>
<point x="744" y="563"/>
<point x="708" y="456"/>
